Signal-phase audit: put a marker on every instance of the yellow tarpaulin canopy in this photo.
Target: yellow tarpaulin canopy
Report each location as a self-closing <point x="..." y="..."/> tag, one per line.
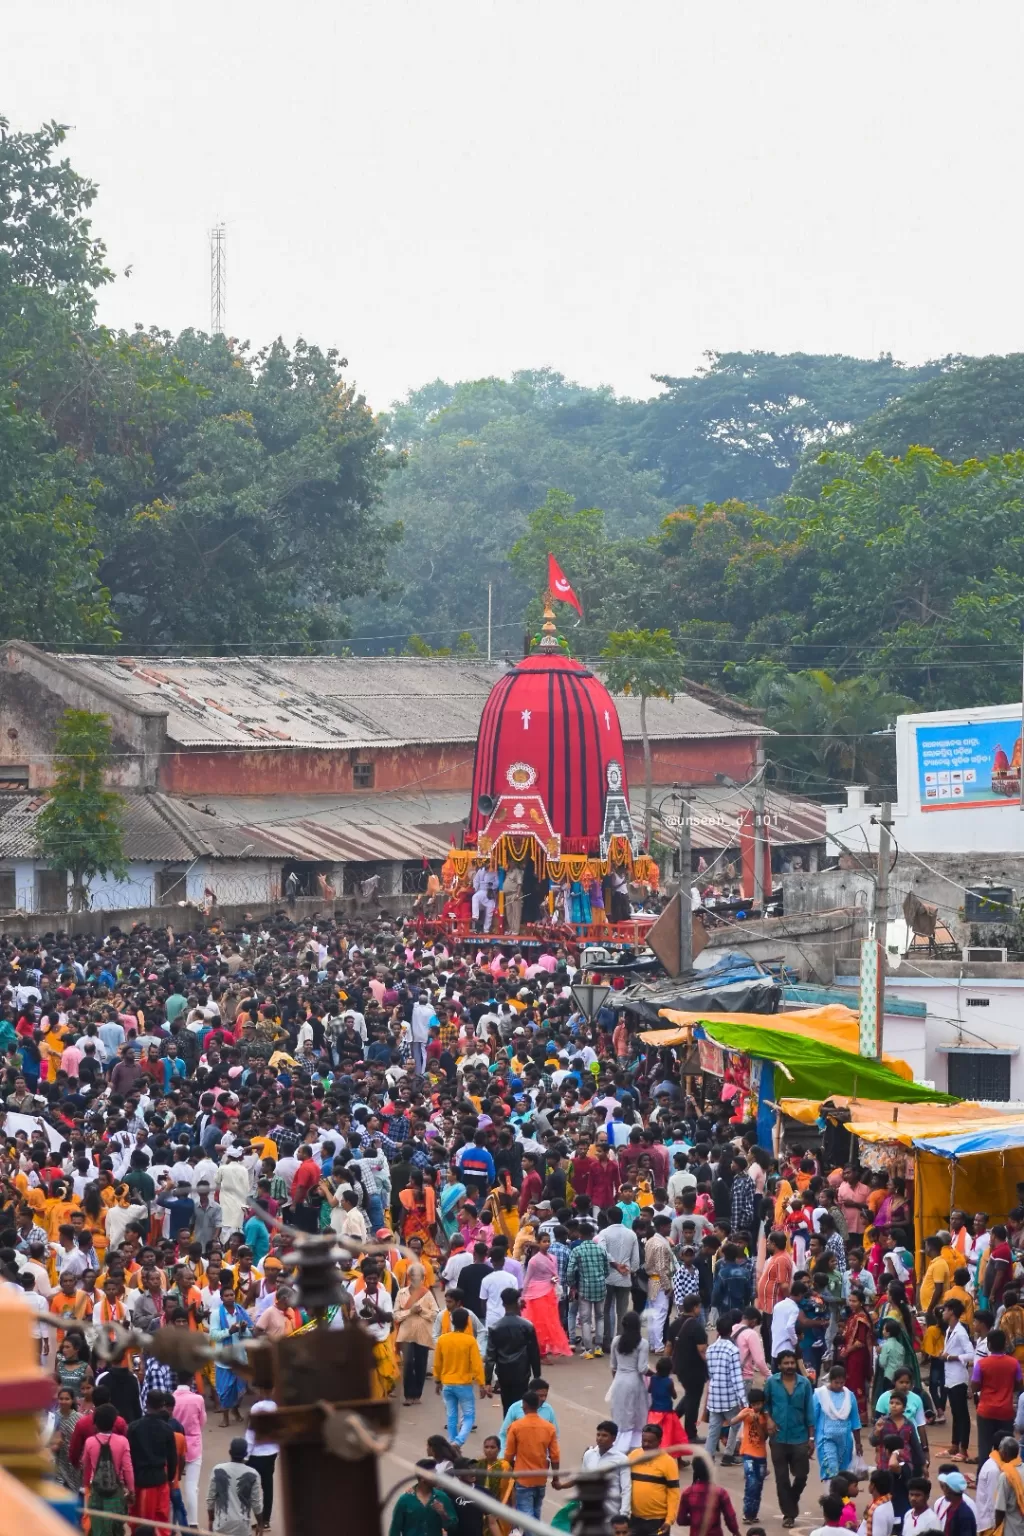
<point x="832" y="1024"/>
<point x="874" y="1120"/>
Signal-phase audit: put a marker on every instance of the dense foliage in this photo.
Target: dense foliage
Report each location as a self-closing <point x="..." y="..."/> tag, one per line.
<point x="167" y="490"/>
<point x="831" y="538"/>
<point x="80" y="827"/>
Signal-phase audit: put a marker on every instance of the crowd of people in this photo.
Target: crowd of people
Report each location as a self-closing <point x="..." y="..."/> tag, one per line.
<point x="533" y="1185"/>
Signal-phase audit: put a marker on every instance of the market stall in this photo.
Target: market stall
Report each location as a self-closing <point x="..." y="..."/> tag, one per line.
<point x="961" y="1155"/>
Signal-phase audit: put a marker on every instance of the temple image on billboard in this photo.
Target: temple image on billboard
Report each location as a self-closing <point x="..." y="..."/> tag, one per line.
<point x="1006" y="772"/>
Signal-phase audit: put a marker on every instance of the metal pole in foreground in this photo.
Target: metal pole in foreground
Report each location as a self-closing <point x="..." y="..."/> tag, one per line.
<point x="490" y="593"/>
<point x="685" y="880"/>
<point x="759" y="831"/>
<point x="881" y="915"/>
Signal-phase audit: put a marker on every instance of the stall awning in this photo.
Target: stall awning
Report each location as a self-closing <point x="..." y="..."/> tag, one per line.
<point x="1008" y="1133"/>
<point x="830" y="1025"/>
<point x="914" y="1124"/>
<point x="805" y="1063"/>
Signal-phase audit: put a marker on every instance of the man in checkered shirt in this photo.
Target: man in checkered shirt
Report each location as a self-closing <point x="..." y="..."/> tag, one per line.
<point x="587" y="1273"/>
<point x="727" y="1393"/>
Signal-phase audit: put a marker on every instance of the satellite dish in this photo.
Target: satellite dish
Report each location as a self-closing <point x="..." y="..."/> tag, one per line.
<point x="485" y="804"/>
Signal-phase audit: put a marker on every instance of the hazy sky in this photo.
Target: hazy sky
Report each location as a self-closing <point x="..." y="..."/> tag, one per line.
<point x="457" y="188"/>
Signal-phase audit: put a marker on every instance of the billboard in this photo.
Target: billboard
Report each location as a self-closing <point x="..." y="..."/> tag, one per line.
<point x="964" y="765"/>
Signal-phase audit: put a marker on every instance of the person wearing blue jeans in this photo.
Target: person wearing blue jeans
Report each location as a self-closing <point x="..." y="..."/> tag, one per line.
<point x="530" y="1500"/>
<point x="460" y="1406"/>
<point x="458" y="1368"/>
<point x="531" y="1446"/>
<point x="755" y="1470"/>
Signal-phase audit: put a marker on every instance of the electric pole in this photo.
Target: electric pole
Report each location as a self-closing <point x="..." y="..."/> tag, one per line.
<point x="759" y="831"/>
<point x="218" y="280"/>
<point x="884" y="820"/>
<point x="685" y="881"/>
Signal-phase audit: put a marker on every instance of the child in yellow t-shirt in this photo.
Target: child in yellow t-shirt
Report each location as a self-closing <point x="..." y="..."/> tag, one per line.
<point x="934" y="1341"/>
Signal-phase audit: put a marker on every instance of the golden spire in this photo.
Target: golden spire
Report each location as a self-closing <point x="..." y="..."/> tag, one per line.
<point x="549" y="635"/>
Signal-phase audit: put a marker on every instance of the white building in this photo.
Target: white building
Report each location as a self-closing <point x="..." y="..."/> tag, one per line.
<point x="958" y="787"/>
<point x="972" y="1026"/>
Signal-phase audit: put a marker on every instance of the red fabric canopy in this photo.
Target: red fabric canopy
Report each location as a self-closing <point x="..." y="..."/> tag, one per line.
<point x="550" y="728"/>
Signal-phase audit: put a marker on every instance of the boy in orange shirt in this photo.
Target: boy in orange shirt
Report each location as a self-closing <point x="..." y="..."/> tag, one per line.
<point x="753" y="1450"/>
<point x="531" y="1447"/>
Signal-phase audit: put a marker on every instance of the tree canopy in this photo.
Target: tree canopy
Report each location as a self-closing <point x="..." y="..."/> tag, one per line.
<point x="80" y="828"/>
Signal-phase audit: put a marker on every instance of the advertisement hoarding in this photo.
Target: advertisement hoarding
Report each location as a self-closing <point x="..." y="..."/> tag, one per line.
<point x="965" y="766"/>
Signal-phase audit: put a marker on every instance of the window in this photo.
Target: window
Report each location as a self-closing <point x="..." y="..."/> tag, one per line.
<point x="362" y="775"/>
<point x="170" y="886"/>
<point x="13" y="776"/>
<point x="414" y="876"/>
<point x="356" y="879"/>
<point x="51" y="890"/>
<point x="989" y="904"/>
<point x="977" y="1002"/>
<point x="8" y="896"/>
<point x="979" y="1075"/>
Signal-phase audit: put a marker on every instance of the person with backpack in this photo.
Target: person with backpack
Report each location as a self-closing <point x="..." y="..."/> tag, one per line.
<point x="107" y="1475"/>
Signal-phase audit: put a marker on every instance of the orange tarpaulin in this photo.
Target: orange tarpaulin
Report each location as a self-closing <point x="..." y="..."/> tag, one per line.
<point x="832" y="1024"/>
<point x="875" y="1120"/>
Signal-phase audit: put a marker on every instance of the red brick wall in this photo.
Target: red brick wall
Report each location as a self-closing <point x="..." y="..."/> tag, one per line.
<point x="299" y="771"/>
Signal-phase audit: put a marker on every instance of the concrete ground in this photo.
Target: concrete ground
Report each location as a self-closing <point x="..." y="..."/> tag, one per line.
<point x="577" y="1395"/>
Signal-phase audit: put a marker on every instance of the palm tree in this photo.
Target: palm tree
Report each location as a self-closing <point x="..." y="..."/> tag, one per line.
<point x="831" y="733"/>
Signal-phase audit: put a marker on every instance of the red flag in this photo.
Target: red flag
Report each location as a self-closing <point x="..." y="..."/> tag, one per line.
<point x="561" y="591"/>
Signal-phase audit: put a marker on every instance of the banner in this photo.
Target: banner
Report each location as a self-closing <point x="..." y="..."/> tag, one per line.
<point x="712" y="1058"/>
<point x="966" y="766"/>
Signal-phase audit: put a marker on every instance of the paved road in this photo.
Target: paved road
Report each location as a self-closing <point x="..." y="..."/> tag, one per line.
<point x="577" y="1396"/>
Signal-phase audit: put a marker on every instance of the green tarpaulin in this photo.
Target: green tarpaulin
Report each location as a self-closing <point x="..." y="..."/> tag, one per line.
<point x="817" y="1071"/>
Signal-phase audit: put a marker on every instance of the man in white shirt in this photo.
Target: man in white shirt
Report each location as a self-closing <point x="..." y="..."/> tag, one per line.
<point x="493" y="1287"/>
<point x="784" y="1318"/>
<point x="455" y="1265"/>
<point x="603" y="1457"/>
<point x="954" y="1479"/>
<point x="681" y="1178"/>
<point x="423" y="1016"/>
<point x="883" y="1520"/>
<point x="623" y="1250"/>
<point x="958" y="1355"/>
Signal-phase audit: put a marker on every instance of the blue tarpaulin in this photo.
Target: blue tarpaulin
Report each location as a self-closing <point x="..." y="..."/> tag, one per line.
<point x="999" y="1138"/>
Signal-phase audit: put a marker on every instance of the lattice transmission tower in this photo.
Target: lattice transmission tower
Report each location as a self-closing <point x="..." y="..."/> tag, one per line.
<point x="218" y="280"/>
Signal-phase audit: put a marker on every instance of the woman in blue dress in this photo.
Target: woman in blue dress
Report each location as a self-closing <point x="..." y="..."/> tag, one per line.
<point x="579" y="904"/>
<point x="229" y="1325"/>
<point x="836" y="1425"/>
<point x="449" y="1201"/>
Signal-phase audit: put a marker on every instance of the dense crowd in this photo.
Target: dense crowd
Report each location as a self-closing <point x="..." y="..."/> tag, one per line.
<point x="532" y="1184"/>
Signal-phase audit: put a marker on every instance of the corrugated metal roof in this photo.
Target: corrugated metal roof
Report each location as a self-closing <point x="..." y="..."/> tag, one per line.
<point x="364" y="828"/>
<point x="358" y="702"/>
<point x="717" y="811"/>
<point x="302" y="828"/>
<point x="155" y="827"/>
<point x="438" y="815"/>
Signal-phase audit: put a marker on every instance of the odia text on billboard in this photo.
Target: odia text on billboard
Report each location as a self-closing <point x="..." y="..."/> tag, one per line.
<point x="967" y="766"/>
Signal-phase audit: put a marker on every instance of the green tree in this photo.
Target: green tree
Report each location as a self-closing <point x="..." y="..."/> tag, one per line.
<point x="973" y="408"/>
<point x="644" y="662"/>
<point x="237" y="499"/>
<point x="80" y="826"/>
<point x="50" y="267"/>
<point x="830" y="733"/>
<point x="739" y="427"/>
<point x="475" y="470"/>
